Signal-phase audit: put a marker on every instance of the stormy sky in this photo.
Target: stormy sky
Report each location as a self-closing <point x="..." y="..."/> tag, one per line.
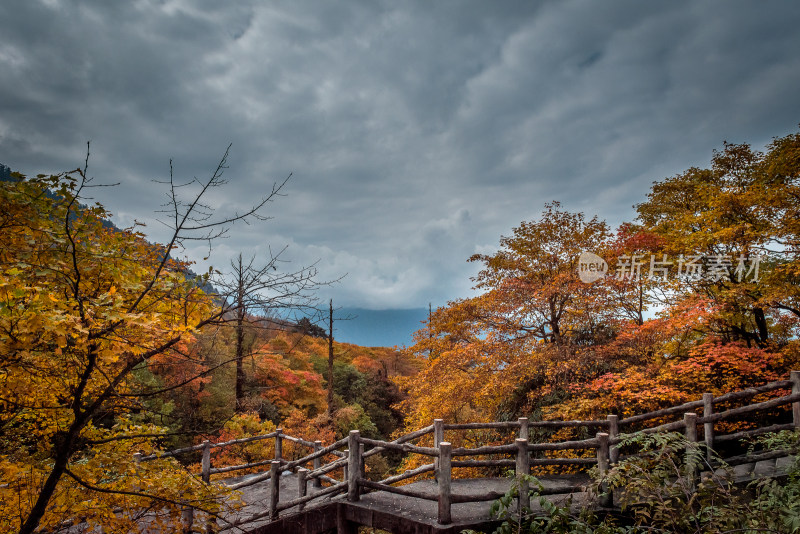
<point x="417" y="133"/>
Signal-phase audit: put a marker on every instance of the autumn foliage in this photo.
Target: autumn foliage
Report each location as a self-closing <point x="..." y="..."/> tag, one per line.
<point x="83" y="309"/>
<point x="700" y="296"/>
<point x="110" y="346"/>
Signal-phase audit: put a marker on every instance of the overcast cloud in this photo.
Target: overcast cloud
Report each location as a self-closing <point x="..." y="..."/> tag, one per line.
<point x="418" y="132"/>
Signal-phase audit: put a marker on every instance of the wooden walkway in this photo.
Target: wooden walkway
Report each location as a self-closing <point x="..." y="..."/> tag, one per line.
<point x="401" y="514"/>
<point x="327" y="490"/>
<point x="393" y="512"/>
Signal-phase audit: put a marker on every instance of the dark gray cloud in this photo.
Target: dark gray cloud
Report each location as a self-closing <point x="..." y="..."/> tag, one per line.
<point x="417" y="133"/>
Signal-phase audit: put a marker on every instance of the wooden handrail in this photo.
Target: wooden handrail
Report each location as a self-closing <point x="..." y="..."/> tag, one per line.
<point x="402" y="439"/>
<point x="444" y="455"/>
<point x="403" y="447"/>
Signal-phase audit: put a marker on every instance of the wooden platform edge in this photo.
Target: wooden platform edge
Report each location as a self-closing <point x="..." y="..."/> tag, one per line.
<point x="345" y="518"/>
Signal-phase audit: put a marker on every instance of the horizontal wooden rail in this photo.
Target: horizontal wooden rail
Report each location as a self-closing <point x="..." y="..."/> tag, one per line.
<point x="304" y="460"/>
<point x="766" y="405"/>
<point x="532" y="462"/>
<point x="745" y="434"/>
<point x="525" y="425"/>
<point x="531" y="424"/>
<point x="563" y="461"/>
<point x="341" y="487"/>
<point x="285" y="465"/>
<point x="752" y="392"/>
<point x="247" y="440"/>
<point x="330" y="449"/>
<point x="327" y="468"/>
<point x="481" y="426"/>
<point x="402" y="439"/>
<point x="408" y="474"/>
<point x="568" y="424"/>
<point x="564" y="445"/>
<point x="296" y="463"/>
<point x="404" y="447"/>
<point x="662" y="413"/>
<point x="484" y="463"/>
<point x="486" y="449"/>
<point x="217" y="470"/>
<point x="299" y="441"/>
<point x="229" y="443"/>
<point x="693" y="405"/>
<point x="733" y="412"/>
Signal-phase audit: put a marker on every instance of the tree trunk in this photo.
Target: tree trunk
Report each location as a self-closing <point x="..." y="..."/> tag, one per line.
<point x="62" y="451"/>
<point x="49" y="487"/>
<point x="240" y="378"/>
<point x="330" y="359"/>
<point x="761" y="323"/>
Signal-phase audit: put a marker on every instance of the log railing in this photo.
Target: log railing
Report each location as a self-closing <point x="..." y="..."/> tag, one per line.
<point x="352" y="451"/>
<point x="316" y="476"/>
<point x="445" y="458"/>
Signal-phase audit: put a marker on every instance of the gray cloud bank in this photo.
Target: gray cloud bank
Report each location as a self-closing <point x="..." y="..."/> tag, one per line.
<point x="417" y="132"/>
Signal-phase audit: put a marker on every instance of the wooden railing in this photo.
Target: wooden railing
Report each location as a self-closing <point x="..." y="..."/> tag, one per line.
<point x="278" y="464"/>
<point x="603" y="448"/>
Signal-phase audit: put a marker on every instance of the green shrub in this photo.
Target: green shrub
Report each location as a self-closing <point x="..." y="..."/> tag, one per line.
<point x="656" y="493"/>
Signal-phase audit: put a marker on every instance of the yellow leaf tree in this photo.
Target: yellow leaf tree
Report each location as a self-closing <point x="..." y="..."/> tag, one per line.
<point x="83" y="307"/>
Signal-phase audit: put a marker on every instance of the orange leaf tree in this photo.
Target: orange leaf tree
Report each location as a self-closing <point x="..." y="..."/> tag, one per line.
<point x="539" y="342"/>
<point x="526" y="334"/>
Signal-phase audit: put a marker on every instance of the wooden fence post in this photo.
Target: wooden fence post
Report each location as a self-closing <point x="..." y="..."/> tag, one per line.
<point x="353" y="465"/>
<point x="302" y="487"/>
<point x="438" y="437"/>
<point x="445" y="477"/>
<point x="708" y="428"/>
<point x="794" y="376"/>
<point x="275" y="488"/>
<point x="690" y="423"/>
<point x="205" y="463"/>
<point x="524" y="431"/>
<point x="613" y="434"/>
<point x="278" y="444"/>
<point x="606" y="499"/>
<point x="362" y="466"/>
<point x="317" y="464"/>
<point x="523" y="468"/>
